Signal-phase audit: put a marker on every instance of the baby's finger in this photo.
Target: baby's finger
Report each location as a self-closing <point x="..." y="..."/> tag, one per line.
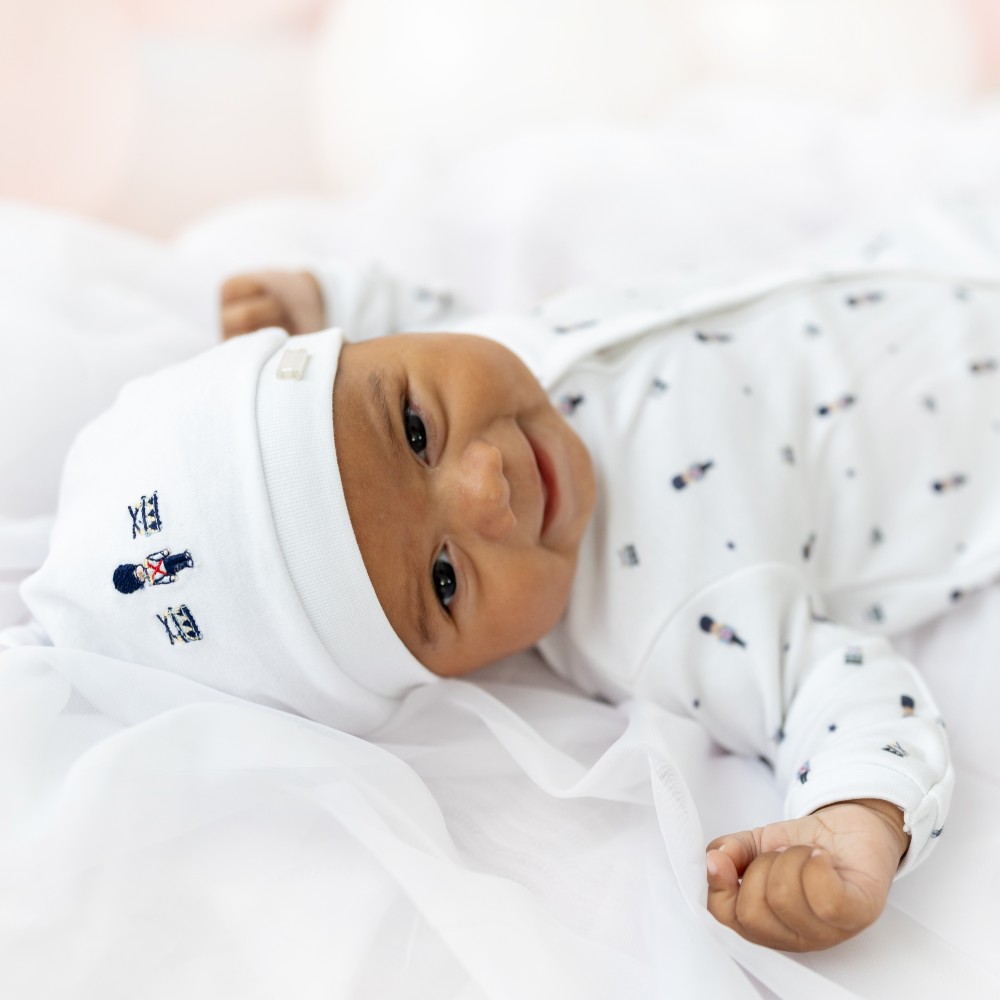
<point x="723" y="887"/>
<point x="755" y="919"/>
<point x="241" y="286"/>
<point x="251" y="314"/>
<point x="740" y="847"/>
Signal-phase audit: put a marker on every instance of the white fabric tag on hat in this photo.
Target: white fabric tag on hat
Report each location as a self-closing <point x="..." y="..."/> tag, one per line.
<point x="293" y="363"/>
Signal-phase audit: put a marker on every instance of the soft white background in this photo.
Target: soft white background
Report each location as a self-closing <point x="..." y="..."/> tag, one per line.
<point x="147" y="113"/>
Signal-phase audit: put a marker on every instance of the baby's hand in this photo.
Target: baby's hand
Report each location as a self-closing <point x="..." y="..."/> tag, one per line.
<point x="289" y="299"/>
<point x="807" y="883"/>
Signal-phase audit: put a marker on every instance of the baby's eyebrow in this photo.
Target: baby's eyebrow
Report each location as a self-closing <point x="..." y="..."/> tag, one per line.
<point x="418" y="599"/>
<point x="377" y="385"/>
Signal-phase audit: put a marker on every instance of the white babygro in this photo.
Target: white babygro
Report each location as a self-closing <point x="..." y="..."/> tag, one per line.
<point x="780" y="484"/>
<point x="782" y="481"/>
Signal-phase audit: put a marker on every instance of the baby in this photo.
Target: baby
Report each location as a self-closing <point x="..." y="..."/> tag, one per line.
<point x="818" y="450"/>
<point x="679" y="514"/>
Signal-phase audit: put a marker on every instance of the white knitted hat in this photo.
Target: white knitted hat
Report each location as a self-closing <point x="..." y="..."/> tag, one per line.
<point x="202" y="529"/>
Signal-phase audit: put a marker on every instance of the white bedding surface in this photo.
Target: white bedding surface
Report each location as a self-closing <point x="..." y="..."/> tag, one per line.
<point x="504" y="838"/>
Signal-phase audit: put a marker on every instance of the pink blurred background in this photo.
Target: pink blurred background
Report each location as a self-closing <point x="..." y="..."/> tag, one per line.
<point x="150" y="113"/>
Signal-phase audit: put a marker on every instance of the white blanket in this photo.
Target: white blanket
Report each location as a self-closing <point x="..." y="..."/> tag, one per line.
<point x="500" y="838"/>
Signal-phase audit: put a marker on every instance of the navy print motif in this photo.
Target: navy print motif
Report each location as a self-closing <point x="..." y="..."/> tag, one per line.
<point x="864" y="298"/>
<point x="180" y="625"/>
<point x="950" y="483"/>
<point x="983" y="366"/>
<point x="962" y="294"/>
<point x="570" y="327"/>
<point x="788" y="454"/>
<point x="807" y="548"/>
<point x="832" y="728"/>
<point x="156" y="569"/>
<point x="854" y="656"/>
<point x="937" y="833"/>
<point x="930" y="403"/>
<point x="146" y="516"/>
<point x="813" y="330"/>
<point x="779" y="735"/>
<point x="803" y="773"/>
<point x="895" y="748"/>
<point x="712" y="338"/>
<point x="692" y="474"/>
<point x="841" y="403"/>
<point x="658" y="387"/>
<point x="877" y="537"/>
<point x="875" y="614"/>
<point x="568" y="404"/>
<point x="724" y="633"/>
<point x="908" y="705"/>
<point x="628" y="556"/>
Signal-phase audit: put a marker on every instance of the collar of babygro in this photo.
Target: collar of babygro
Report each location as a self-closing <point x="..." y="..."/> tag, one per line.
<point x="295" y="429"/>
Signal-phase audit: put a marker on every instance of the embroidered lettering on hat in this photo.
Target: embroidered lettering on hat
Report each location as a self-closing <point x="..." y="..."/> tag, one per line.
<point x="293" y="364"/>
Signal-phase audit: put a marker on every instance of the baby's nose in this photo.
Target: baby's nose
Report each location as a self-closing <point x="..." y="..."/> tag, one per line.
<point x="479" y="493"/>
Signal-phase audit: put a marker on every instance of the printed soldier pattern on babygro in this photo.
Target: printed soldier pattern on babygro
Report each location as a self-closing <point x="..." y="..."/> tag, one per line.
<point x="782" y="486"/>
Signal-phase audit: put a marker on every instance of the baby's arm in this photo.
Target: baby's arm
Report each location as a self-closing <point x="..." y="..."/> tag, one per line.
<point x="853" y="736"/>
<point x="366" y="301"/>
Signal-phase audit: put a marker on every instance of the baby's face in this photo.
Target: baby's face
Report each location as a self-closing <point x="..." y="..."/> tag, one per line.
<point x="468" y="492"/>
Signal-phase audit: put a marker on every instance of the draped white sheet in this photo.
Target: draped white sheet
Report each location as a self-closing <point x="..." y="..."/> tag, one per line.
<point x="502" y="838"/>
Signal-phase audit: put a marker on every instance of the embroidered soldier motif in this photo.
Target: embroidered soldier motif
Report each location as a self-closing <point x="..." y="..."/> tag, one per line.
<point x="180" y="625"/>
<point x="864" y="299"/>
<point x="854" y="656"/>
<point x="724" y="633"/>
<point x="146" y="516"/>
<point x="628" y="556"/>
<point x="568" y="404"/>
<point x="803" y="773"/>
<point x="692" y="474"/>
<point x="808" y="547"/>
<point x="712" y="338"/>
<point x="841" y="403"/>
<point x="570" y="327"/>
<point x="983" y="366"/>
<point x="895" y="748"/>
<point x="908" y="705"/>
<point x="951" y="483"/>
<point x="156" y="569"/>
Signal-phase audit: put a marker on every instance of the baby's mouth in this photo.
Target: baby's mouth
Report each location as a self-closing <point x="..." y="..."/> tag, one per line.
<point x="550" y="490"/>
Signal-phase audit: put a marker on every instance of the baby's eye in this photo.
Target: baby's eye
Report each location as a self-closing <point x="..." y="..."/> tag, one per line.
<point x="444" y="579"/>
<point x="416" y="433"/>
